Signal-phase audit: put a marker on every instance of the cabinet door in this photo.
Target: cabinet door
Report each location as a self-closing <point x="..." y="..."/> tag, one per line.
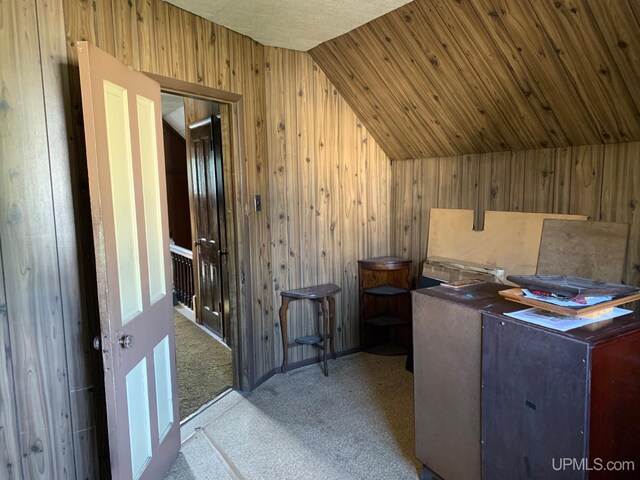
<point x="533" y="402"/>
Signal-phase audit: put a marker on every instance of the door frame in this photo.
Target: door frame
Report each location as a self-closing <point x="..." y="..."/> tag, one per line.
<point x="240" y="311"/>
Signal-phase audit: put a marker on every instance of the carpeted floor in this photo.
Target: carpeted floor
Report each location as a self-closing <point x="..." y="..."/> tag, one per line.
<point x="203" y="364"/>
<point x="356" y="424"/>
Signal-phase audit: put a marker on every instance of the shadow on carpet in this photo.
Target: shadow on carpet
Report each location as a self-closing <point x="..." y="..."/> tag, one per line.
<point x="203" y="366"/>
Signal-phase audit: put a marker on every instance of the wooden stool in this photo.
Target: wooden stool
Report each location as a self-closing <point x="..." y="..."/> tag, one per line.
<point x="322" y="294"/>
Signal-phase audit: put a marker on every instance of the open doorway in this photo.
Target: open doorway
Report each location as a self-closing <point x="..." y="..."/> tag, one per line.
<point x="195" y="169"/>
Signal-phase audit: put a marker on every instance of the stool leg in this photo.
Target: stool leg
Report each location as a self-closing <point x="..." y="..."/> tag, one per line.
<point x="332" y="323"/>
<point x="325" y="327"/>
<point x="283" y="331"/>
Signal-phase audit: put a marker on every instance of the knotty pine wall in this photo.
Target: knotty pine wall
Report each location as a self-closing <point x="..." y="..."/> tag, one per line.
<point x="328" y="196"/>
<point x="600" y="181"/>
<point x="325" y="187"/>
<point x="47" y="427"/>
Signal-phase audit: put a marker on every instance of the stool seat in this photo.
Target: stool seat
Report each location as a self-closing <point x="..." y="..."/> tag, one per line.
<point x="322" y="294"/>
<point x="317" y="291"/>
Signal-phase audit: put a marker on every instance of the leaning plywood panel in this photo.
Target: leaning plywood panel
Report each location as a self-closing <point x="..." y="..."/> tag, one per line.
<point x="595" y="250"/>
<point x="510" y="240"/>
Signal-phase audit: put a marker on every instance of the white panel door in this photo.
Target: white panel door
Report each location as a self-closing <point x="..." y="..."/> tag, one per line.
<point x="123" y="131"/>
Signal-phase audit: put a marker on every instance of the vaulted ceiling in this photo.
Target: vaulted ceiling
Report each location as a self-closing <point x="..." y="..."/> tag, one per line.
<point x="447" y="77"/>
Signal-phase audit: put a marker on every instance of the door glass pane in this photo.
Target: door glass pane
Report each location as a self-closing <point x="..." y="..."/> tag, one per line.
<point x="151" y="193"/>
<point x="164" y="395"/>
<point x="123" y="198"/>
<point x="139" y="422"/>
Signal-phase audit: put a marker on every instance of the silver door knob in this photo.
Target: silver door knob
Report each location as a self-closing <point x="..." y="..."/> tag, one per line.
<point x="126" y="341"/>
<point x="96" y="342"/>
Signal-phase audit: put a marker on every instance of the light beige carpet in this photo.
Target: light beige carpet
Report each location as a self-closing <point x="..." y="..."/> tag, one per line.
<point x="356" y="424"/>
<point x="203" y="365"/>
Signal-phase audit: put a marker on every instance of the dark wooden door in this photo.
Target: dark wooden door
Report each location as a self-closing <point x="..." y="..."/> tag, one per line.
<point x="123" y="130"/>
<point x="210" y="228"/>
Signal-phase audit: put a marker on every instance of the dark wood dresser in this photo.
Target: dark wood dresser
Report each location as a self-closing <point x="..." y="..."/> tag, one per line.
<point x="497" y="398"/>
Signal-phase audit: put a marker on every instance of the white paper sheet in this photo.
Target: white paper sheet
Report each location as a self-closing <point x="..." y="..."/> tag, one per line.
<point x="560" y="322"/>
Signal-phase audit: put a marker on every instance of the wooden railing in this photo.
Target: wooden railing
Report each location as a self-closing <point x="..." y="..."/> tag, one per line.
<point x="182" y="262"/>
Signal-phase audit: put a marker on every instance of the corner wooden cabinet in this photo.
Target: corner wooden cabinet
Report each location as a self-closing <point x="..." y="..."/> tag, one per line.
<point x="385" y="305"/>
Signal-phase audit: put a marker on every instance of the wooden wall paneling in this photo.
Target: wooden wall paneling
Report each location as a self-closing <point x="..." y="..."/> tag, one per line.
<point x="10" y="461"/>
<point x="304" y="158"/>
<point x="325" y="209"/>
<point x="418" y="193"/>
<point x="586" y="180"/>
<point x="147" y="36"/>
<point x="524" y="82"/>
<point x="380" y="190"/>
<point x="562" y="180"/>
<point x="403" y="206"/>
<point x="243" y="56"/>
<point x="591" y="69"/>
<point x="104" y="26"/>
<point x="516" y="183"/>
<point x="473" y="55"/>
<point x="345" y="75"/>
<point x="30" y="260"/>
<point x="450" y="182"/>
<point x="494" y="181"/>
<point x="360" y="231"/>
<point x="384" y="42"/>
<point x="222" y="57"/>
<point x="258" y="172"/>
<point x="187" y="41"/>
<point x="346" y="328"/>
<point x="430" y="177"/>
<point x="621" y="197"/>
<point x="342" y="127"/>
<point x="351" y="73"/>
<point x="126" y="32"/>
<point x="176" y="45"/>
<point x="300" y="320"/>
<point x="210" y="64"/>
<point x="276" y="153"/>
<point x="200" y="62"/>
<point x="350" y="223"/>
<point x="538" y="180"/>
<point x="619" y="26"/>
<point x="77" y="330"/>
<point x="470" y="174"/>
<point x="455" y="100"/>
<point x="537" y="54"/>
<point x="163" y="37"/>
<point x="410" y="109"/>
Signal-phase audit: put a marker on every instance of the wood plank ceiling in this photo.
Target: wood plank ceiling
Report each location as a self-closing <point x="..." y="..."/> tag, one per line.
<point x="446" y="77"/>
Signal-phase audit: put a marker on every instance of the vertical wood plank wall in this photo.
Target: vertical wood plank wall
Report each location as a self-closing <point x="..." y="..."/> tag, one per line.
<point x="600" y="181"/>
<point x="44" y="366"/>
<point x="325" y="203"/>
<point x="328" y="198"/>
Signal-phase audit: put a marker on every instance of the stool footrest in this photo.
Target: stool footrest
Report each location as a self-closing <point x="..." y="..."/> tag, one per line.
<point x="309" y="339"/>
